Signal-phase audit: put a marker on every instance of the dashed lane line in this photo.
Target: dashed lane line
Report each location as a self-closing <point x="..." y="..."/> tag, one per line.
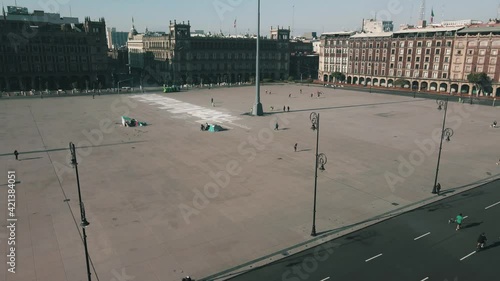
<point x="491" y="206"/>
<point x="372" y="258"/>
<point x="421" y="236"/>
<point x="468" y="256"/>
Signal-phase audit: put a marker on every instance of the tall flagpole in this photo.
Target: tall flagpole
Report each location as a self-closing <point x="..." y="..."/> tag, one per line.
<point x="257" y="107"/>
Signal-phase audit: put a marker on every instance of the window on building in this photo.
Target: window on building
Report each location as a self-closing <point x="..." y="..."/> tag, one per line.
<point x="470" y="52"/>
<point x="436" y="59"/>
<point x="448" y="51"/>
<point x="419" y="51"/>
<point x="438" y="51"/>
<point x="468" y="60"/>
<point x="480" y="60"/>
<point x="410" y="44"/>
<point x="419" y="44"/>
<point x="427" y="59"/>
<point x="435" y="67"/>
<point x="393" y="51"/>
<point x="428" y="51"/>
<point x="409" y="51"/>
<point x="468" y="68"/>
<point x="425" y="74"/>
<point x="438" y="44"/>
<point x="491" y="69"/>
<point x="415" y="73"/>
<point x="446" y="67"/>
<point x="391" y="65"/>
<point x="402" y="44"/>
<point x="493" y="60"/>
<point x="446" y="59"/>
<point x="494" y="52"/>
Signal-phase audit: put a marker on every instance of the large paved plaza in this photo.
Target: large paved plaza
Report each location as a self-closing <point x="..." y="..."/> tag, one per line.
<point x="169" y="200"/>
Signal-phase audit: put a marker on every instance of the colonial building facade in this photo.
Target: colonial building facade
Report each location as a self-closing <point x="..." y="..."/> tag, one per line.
<point x="42" y="54"/>
<point x="423" y="59"/>
<point x="177" y="57"/>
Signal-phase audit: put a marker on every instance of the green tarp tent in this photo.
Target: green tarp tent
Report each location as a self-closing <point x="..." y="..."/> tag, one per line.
<point x="215" y="128"/>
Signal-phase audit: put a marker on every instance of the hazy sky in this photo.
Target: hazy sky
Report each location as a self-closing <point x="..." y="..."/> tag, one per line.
<point x="303" y="15"/>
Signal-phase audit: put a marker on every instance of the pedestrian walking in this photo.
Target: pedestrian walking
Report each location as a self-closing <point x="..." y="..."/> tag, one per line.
<point x="276" y="126"/>
<point x="458" y="221"/>
<point x="266" y="92"/>
<point x="438" y="188"/>
<point x="498" y="163"/>
<point x="301" y="91"/>
<point x="311" y="95"/>
<point x="16" y="154"/>
<point x="212" y="100"/>
<point x="288" y="108"/>
<point x="93" y="96"/>
<point x="295" y="147"/>
<point x="284" y="108"/>
<point x="290" y="95"/>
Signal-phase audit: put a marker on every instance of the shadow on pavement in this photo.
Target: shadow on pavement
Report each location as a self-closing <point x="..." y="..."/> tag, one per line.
<point x="33" y="158"/>
<point x="471" y="225"/>
<point x="67" y="148"/>
<point x="494" y="245"/>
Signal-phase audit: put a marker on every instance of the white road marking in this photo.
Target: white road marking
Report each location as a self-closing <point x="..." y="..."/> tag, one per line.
<point x="468" y="256"/>
<point x="422" y="236"/>
<point x="465" y="217"/>
<point x="426" y="278"/>
<point x="492" y="205"/>
<point x="373" y="258"/>
<point x="325" y="279"/>
<point x="185" y="110"/>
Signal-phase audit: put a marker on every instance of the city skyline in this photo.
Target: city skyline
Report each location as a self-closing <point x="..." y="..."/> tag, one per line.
<point x="223" y="15"/>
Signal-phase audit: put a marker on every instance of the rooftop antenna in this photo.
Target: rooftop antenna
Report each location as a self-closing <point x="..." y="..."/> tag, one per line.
<point x="422" y="11"/>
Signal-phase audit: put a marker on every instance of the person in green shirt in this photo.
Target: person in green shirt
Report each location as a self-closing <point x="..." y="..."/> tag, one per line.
<point x="459" y="220"/>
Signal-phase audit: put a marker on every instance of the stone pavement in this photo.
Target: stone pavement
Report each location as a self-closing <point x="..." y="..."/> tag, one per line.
<point x="168" y="200"/>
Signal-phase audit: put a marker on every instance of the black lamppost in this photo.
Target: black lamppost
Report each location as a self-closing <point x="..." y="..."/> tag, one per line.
<point x="320" y="159"/>
<point x="446" y="133"/>
<point x="84" y="223"/>
<point x="257" y="109"/>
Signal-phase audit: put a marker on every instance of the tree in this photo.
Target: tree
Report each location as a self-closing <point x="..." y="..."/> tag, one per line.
<point x="291" y="78"/>
<point x="339" y="76"/>
<point x="481" y="80"/>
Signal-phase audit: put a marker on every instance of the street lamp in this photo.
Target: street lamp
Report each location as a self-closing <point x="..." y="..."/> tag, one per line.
<point x="257" y="107"/>
<point x="320" y="159"/>
<point x="84" y="223"/>
<point x="446" y="133"/>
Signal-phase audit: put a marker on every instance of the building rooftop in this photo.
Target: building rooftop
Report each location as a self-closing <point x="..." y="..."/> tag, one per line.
<point x="338" y="33"/>
<point x="429" y="29"/>
<point x="481" y="29"/>
<point x="375" y="34"/>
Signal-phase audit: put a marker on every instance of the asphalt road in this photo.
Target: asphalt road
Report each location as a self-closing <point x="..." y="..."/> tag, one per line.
<point x="419" y="245"/>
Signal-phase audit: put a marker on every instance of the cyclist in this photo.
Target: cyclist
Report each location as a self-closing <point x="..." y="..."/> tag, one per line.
<point x="481" y="240"/>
